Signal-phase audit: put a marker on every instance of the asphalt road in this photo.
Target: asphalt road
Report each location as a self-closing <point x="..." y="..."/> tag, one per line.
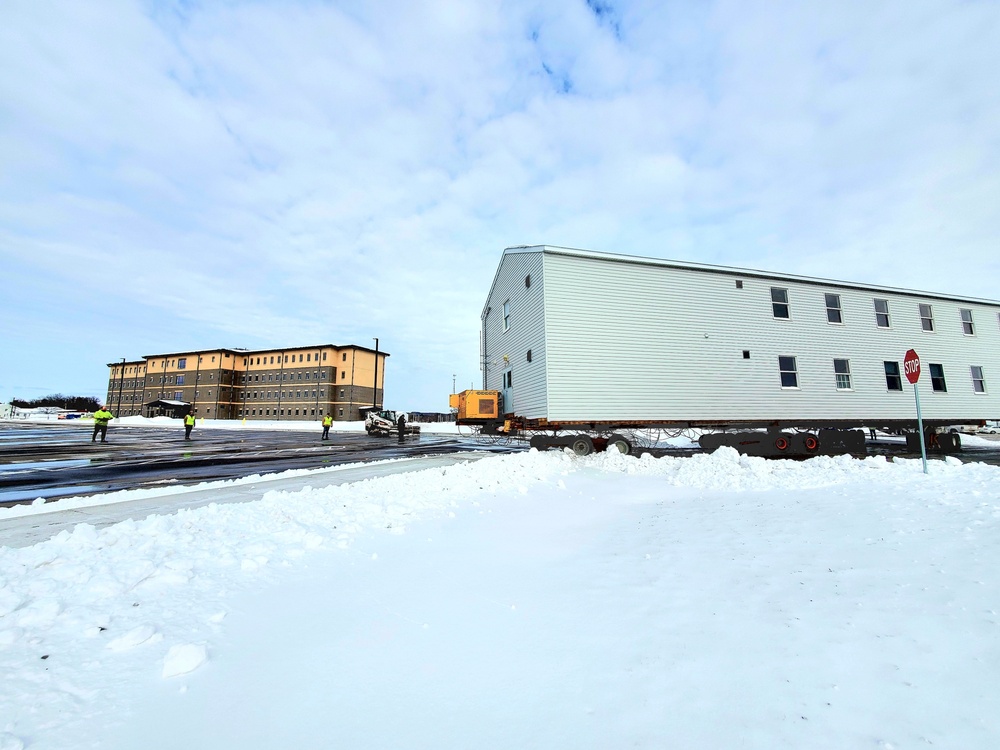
<point x="59" y="460"/>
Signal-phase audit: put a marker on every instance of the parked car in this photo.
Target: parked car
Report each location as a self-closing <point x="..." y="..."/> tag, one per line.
<point x="988" y="430"/>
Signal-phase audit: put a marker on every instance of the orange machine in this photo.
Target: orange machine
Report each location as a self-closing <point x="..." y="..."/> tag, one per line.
<point x="476" y="406"/>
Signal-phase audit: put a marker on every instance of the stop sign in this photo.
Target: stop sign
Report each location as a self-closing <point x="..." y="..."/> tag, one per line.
<point x="911" y="366"/>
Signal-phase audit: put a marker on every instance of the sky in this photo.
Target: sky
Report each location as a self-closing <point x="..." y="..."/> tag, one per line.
<point x="527" y="600"/>
<point x="188" y="175"/>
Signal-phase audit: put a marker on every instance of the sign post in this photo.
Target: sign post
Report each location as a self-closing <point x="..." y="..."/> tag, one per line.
<point x="911" y="368"/>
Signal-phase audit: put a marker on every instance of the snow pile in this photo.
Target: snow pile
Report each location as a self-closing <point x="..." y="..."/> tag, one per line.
<point x="40" y="505"/>
<point x="708" y="601"/>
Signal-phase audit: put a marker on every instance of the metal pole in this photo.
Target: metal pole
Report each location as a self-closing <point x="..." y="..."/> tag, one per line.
<point x="246" y="378"/>
<point x="920" y="427"/>
<point x="352" y="401"/>
<point x="315" y="383"/>
<point x="375" y="390"/>
<point x="281" y="376"/>
<point x="121" y="385"/>
<point x="197" y="383"/>
<point x="218" y="392"/>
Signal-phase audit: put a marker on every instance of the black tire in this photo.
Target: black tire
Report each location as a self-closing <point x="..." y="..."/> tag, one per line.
<point x="582" y="445"/>
<point x="619" y="443"/>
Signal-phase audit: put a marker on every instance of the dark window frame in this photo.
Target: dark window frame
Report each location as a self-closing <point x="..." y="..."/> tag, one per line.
<point x="938" y="382"/>
<point x="882" y="314"/>
<point x="788" y="371"/>
<point x="780" y="308"/>
<point x="968" y="327"/>
<point x="926" y="317"/>
<point x="978" y="383"/>
<point x="893" y="376"/>
<point x="833" y="310"/>
<point x="842" y="374"/>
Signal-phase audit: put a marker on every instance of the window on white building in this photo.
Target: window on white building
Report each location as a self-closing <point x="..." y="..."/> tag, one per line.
<point x="833" y="311"/>
<point x="788" y="371"/>
<point x="842" y="371"/>
<point x="967" y="328"/>
<point x="937" y="379"/>
<point x="779" y="302"/>
<point x="978" y="382"/>
<point x="882" y="313"/>
<point x="893" y="381"/>
<point x="927" y="318"/>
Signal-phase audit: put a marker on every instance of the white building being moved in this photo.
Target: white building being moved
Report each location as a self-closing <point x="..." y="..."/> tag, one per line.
<point x="573" y="336"/>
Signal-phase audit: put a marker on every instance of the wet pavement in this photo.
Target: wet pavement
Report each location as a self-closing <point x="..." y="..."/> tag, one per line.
<point x="52" y="461"/>
<point x="55" y="460"/>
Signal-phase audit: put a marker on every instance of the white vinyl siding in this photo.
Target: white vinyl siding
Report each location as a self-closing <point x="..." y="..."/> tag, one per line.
<point x="514" y="325"/>
<point x="640" y="339"/>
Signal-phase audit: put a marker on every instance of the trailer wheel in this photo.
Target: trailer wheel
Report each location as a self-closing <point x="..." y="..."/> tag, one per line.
<point x="811" y="443"/>
<point x="781" y="444"/>
<point x="582" y="445"/>
<point x="620" y="444"/>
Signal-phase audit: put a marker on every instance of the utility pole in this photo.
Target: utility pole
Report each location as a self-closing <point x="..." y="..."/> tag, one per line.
<point x="281" y="374"/>
<point x="246" y="378"/>
<point x="197" y="383"/>
<point x="163" y="382"/>
<point x="375" y="389"/>
<point x="121" y="385"/>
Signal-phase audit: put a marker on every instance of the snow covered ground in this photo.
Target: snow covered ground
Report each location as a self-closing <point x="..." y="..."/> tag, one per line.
<point x="533" y="600"/>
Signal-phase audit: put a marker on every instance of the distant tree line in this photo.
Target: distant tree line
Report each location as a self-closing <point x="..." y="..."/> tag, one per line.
<point x="78" y="403"/>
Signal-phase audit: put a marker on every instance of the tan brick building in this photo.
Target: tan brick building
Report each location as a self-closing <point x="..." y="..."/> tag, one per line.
<point x="303" y="383"/>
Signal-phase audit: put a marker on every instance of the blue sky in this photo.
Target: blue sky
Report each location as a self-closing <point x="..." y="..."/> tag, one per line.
<point x="186" y="175"/>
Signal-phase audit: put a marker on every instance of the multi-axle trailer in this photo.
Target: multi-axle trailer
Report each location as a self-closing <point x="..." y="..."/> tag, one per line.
<point x="579" y="348"/>
<point x="483" y="409"/>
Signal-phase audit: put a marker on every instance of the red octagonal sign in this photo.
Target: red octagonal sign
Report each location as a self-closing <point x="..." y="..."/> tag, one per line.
<point x="911" y="366"/>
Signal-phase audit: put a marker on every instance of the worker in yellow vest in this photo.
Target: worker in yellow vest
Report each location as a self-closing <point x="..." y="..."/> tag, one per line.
<point x="188" y="425"/>
<point x="327" y="423"/>
<point x="101" y="418"/>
